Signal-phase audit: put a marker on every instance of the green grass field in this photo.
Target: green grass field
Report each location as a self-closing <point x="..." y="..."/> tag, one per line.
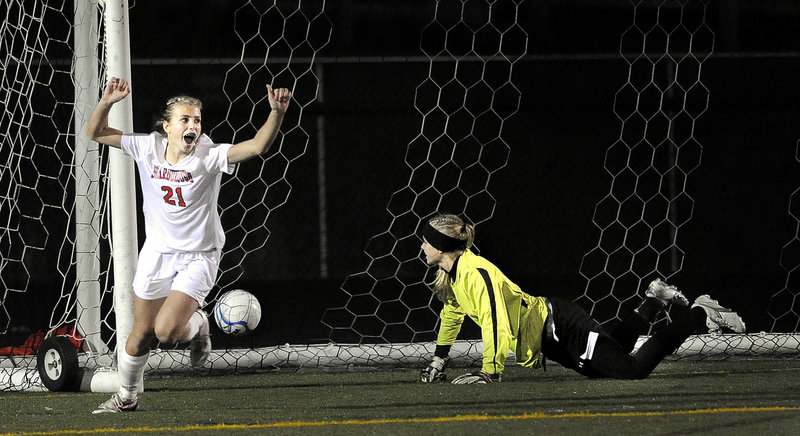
<point x="727" y="397"/>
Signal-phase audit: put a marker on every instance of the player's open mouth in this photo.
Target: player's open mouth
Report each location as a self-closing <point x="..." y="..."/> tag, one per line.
<point x="189" y="137"/>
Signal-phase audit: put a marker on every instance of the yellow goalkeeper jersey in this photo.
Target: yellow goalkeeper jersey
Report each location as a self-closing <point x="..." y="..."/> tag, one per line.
<point x="508" y="318"/>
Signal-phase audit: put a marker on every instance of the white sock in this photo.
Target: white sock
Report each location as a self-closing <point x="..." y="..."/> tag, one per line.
<point x="195" y="321"/>
<point x="131" y="370"/>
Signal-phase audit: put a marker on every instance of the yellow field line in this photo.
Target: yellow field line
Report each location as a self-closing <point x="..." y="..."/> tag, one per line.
<point x="443" y="419"/>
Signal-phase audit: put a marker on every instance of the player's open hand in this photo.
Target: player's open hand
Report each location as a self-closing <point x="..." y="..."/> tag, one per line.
<point x="116" y="90"/>
<point x="434" y="372"/>
<point x="279" y="98"/>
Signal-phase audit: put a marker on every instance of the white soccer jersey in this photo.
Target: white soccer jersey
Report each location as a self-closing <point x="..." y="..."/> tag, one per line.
<point x="180" y="201"/>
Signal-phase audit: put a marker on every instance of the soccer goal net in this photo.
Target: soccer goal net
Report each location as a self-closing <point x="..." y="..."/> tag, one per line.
<point x="469" y="70"/>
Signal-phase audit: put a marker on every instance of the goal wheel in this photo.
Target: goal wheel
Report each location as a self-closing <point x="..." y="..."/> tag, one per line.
<point x="57" y="362"/>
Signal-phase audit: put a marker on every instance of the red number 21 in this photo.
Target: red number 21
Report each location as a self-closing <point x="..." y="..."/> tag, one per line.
<point x="168" y="196"/>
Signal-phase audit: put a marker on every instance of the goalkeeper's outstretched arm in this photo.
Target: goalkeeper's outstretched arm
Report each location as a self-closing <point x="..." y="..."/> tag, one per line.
<point x="97" y="128"/>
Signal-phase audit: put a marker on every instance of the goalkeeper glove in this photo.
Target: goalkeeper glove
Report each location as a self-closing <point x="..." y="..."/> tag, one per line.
<point x="435" y="370"/>
<point x="479" y="377"/>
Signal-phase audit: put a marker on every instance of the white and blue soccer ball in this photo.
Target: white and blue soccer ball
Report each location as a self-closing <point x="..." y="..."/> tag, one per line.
<point x="237" y="312"/>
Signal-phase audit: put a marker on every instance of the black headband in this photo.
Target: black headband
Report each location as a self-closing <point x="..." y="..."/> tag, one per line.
<point x="442" y="242"/>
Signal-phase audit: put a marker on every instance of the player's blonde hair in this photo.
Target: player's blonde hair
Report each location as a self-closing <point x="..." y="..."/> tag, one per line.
<point x="166" y="110"/>
<point x="454" y="227"/>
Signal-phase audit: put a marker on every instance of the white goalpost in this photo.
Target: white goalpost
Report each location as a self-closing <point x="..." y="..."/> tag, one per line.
<point x="87" y="179"/>
<point x="122" y="195"/>
<point x="121" y="173"/>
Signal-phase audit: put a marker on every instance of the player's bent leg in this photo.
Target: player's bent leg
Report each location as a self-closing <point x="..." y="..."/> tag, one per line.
<point x="180" y="320"/>
<point x="634" y="323"/>
<point x="190" y="289"/>
<point x="610" y="360"/>
<point x="637" y="322"/>
<point x="666" y="342"/>
<point x="172" y="322"/>
<point x="143" y="331"/>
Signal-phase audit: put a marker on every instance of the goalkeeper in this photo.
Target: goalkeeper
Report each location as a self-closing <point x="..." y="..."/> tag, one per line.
<point x="537" y="327"/>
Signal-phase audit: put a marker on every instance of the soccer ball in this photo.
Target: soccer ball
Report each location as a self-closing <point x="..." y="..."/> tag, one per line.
<point x="237" y="312"/>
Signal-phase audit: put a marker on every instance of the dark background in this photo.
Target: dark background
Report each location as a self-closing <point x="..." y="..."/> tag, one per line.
<point x="373" y="59"/>
<point x="545" y="197"/>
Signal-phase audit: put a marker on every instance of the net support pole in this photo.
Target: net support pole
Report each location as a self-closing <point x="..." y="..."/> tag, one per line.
<point x="321" y="171"/>
<point x="673" y="187"/>
<point x="124" y="231"/>
<point x="87" y="178"/>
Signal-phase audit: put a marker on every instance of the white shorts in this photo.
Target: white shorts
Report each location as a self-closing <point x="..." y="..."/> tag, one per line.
<point x="190" y="272"/>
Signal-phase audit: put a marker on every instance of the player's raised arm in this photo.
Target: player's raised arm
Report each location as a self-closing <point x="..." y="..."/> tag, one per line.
<point x="278" y="102"/>
<point x="97" y="128"/>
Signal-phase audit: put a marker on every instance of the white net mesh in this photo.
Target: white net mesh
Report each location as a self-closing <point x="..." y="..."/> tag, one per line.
<point x="639" y="220"/>
<point x="286" y="60"/>
<point x="650" y="163"/>
<point x="470" y="63"/>
<point x="42" y="289"/>
<point x="784" y="303"/>
<point x="468" y="95"/>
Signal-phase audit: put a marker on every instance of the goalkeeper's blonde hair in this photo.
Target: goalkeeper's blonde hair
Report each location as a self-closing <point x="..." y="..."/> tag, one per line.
<point x="455" y="227"/>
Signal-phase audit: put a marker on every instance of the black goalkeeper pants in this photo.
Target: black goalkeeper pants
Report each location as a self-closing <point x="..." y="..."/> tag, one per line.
<point x="582" y="344"/>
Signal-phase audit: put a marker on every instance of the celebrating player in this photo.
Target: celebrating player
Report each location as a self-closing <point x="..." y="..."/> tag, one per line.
<point x="180" y="170"/>
<point x="558" y="329"/>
